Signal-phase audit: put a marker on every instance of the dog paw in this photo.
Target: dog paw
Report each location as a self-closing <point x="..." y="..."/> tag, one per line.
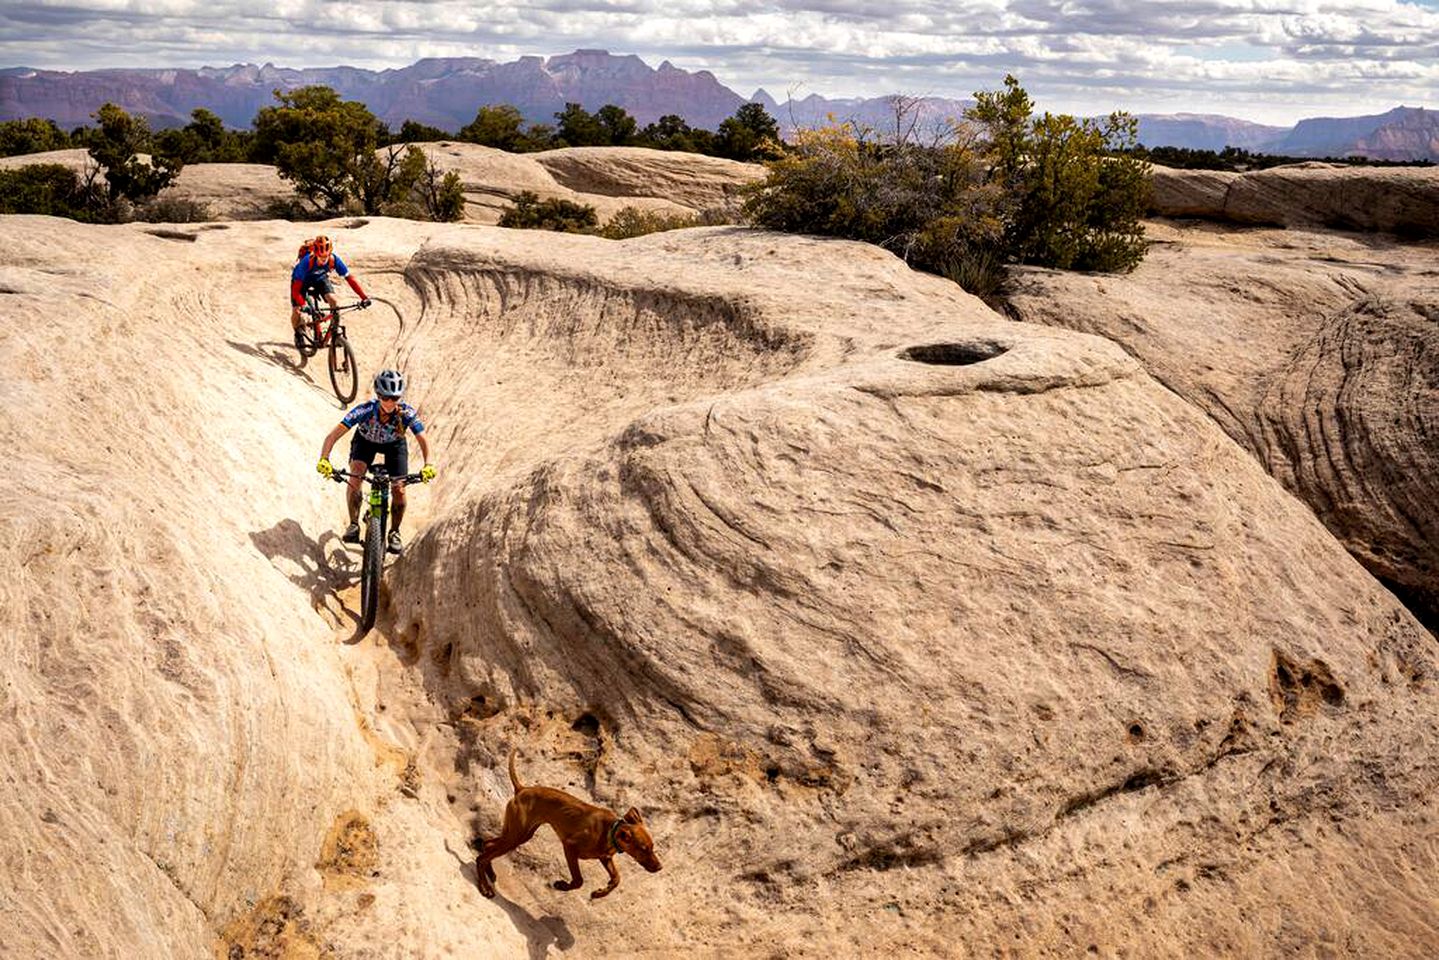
<point x="601" y="893"/>
<point x="565" y="885"/>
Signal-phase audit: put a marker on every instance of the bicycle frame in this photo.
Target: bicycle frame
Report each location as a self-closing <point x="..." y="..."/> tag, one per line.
<point x="319" y="311"/>
<point x="376" y="522"/>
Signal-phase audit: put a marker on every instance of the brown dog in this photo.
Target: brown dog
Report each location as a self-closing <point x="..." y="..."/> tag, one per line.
<point x="587" y="832"/>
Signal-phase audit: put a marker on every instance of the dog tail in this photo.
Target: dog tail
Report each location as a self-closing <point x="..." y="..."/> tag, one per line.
<point x="514" y="777"/>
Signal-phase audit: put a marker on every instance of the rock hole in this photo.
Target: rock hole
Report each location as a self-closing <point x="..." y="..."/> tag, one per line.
<point x="771" y="772"/>
<point x="172" y="235"/>
<point x="952" y="354"/>
<point x="1297" y="690"/>
<point x="587" y="724"/>
<point x="1136" y="732"/>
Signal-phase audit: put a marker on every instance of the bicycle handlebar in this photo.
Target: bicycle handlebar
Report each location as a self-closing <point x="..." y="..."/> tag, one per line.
<point x="324" y="309"/>
<point x="340" y="476"/>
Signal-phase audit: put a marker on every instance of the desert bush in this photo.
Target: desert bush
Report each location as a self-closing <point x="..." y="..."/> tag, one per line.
<point x="34" y="135"/>
<point x="173" y="210"/>
<point x="750" y="135"/>
<point x="295" y="209"/>
<point x="419" y="190"/>
<point x="412" y="131"/>
<point x="205" y="140"/>
<point x="566" y="216"/>
<point x="930" y="203"/>
<point x="495" y="126"/>
<point x="115" y="147"/>
<point x="326" y="147"/>
<point x="636" y="222"/>
<point x="1078" y="190"/>
<point x="1002" y="188"/>
<point x="50" y="189"/>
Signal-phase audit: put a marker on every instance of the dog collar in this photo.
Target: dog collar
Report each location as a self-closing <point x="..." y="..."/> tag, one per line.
<point x="614" y="829"/>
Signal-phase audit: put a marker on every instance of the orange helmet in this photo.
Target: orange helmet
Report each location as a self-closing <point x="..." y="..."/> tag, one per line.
<point x="321" y="248"/>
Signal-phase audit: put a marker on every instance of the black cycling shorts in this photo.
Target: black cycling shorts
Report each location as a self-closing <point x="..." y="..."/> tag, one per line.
<point x="319" y="287"/>
<point x="397" y="454"/>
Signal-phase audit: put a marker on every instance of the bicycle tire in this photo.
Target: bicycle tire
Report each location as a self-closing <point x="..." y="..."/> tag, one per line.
<point x="309" y="329"/>
<point x="370" y="570"/>
<point x="343" y="375"/>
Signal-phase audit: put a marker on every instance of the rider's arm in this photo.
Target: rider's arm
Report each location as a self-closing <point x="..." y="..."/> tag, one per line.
<point x="297" y="277"/>
<point x="344" y="271"/>
<point x="424" y="446"/>
<point x="330" y="439"/>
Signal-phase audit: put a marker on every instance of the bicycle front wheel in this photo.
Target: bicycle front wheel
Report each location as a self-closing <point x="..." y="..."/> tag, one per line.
<point x="370" y="570"/>
<point x="343" y="375"/>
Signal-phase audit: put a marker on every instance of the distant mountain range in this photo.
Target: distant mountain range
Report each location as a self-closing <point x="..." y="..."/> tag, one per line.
<point x="447" y="92"/>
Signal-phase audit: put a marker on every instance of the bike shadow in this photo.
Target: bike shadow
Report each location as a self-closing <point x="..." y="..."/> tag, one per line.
<point x="282" y="355"/>
<point x="321" y="567"/>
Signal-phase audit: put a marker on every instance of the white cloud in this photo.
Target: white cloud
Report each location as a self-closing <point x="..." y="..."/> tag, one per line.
<point x="1264" y="59"/>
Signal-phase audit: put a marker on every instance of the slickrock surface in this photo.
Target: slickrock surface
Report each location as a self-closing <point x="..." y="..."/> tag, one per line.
<point x="1318" y="352"/>
<point x="906" y="626"/>
<point x="1399" y="200"/>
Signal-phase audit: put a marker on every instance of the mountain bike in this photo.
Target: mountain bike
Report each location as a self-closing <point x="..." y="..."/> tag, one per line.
<point x="322" y="328"/>
<point x="375" y="518"/>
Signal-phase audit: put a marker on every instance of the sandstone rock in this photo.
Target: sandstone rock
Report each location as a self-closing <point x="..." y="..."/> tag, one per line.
<point x="907" y="627"/>
<point x="1400" y="200"/>
<point x="693" y="180"/>
<point x="1319" y="353"/>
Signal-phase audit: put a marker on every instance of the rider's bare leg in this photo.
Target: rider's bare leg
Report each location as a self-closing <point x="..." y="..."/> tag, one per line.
<point x="352" y="489"/>
<point x="294" y="317"/>
<point x="397" y="505"/>
<point x="330" y="299"/>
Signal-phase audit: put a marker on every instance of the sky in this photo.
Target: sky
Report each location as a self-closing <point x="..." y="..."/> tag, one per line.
<point x="1270" y="61"/>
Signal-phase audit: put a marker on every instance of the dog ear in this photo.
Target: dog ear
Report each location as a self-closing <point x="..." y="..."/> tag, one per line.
<point x="633" y="816"/>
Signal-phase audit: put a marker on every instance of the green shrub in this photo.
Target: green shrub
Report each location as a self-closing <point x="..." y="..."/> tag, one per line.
<point x="326" y="147"/>
<point x="1004" y="188"/>
<point x="34" y="135"/>
<point x="635" y="222"/>
<point x="173" y="210"/>
<point x="1078" y="191"/>
<point x="495" y="126"/>
<point x="115" y="146"/>
<point x="928" y="203"/>
<point x="420" y="191"/>
<point x="50" y="189"/>
<point x="566" y="216"/>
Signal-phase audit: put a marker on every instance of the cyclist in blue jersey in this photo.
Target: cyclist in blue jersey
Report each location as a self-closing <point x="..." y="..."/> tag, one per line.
<point x="312" y="275"/>
<point x="380" y="426"/>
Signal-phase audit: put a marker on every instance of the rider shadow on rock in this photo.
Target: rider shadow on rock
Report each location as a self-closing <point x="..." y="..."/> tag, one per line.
<point x="321" y="567"/>
<point x="542" y="932"/>
<point x="280" y="354"/>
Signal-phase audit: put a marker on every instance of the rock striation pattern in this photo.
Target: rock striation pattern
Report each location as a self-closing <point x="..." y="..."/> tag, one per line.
<point x="905" y="625"/>
<point x="1317" y="352"/>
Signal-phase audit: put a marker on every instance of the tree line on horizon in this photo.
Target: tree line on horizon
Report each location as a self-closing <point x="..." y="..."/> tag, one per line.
<point x="336" y="152"/>
<point x="750" y="135"/>
<point x="1003" y="187"/>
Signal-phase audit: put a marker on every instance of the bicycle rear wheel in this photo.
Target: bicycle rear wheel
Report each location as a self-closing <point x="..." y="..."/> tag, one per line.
<point x="370" y="569"/>
<point x="343" y="375"/>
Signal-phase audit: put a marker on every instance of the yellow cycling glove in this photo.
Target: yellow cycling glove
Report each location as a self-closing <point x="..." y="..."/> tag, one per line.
<point x="325" y="468"/>
<point x="427" y="473"/>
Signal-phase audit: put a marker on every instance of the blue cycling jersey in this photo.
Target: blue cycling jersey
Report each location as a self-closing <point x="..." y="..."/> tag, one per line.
<point x="309" y="269"/>
<point x="366" y="417"/>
